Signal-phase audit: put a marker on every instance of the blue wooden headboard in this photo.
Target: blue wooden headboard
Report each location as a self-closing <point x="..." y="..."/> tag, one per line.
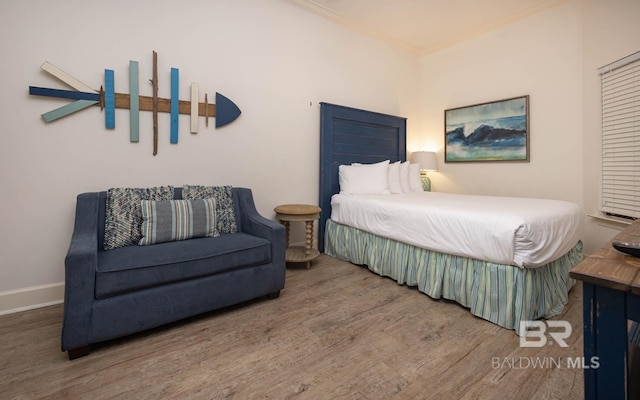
<point x="349" y="135"/>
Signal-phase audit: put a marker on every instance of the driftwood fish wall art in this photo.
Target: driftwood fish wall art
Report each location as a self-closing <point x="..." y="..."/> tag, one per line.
<point x="224" y="110"/>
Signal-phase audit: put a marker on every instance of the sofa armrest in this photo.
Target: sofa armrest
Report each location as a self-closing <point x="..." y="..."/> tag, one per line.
<point x="80" y="267"/>
<point x="255" y="224"/>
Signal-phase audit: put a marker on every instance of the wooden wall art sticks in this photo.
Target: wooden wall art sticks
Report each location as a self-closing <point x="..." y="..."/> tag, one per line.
<point x="224" y="110"/>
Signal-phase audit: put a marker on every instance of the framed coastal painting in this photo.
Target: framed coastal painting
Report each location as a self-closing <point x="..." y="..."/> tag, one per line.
<point x="493" y="131"/>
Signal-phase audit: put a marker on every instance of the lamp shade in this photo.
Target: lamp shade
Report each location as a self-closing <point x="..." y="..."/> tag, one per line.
<point x="426" y="159"/>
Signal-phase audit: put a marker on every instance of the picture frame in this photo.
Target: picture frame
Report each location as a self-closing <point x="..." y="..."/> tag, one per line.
<point x="494" y="131"/>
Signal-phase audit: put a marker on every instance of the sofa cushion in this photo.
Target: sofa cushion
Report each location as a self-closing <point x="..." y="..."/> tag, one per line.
<point x="224" y="204"/>
<point x="123" y="216"/>
<point x="169" y="220"/>
<point x="133" y="268"/>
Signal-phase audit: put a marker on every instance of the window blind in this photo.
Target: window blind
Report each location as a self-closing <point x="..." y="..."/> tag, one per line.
<point x="621" y="137"/>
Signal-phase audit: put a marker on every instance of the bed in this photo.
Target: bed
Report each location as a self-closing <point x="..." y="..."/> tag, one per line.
<point x="526" y="279"/>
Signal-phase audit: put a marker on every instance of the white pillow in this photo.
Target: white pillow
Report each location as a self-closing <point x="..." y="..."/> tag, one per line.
<point x="364" y="178"/>
<point x="404" y="177"/>
<point x="415" y="180"/>
<point x="394" y="178"/>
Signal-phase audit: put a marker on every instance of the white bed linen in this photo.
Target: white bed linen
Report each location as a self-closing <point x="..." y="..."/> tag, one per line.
<point x="506" y="230"/>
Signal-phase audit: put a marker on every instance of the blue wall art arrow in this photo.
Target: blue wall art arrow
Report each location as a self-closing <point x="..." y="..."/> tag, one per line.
<point x="223" y="110"/>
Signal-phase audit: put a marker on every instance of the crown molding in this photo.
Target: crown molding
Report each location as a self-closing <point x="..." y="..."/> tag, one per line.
<point x="321" y="10"/>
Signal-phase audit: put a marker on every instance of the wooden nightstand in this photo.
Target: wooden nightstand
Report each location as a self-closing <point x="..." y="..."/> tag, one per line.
<point x="306" y="213"/>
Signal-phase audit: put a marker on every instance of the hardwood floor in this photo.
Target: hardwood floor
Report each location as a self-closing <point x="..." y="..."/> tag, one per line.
<point x="337" y="331"/>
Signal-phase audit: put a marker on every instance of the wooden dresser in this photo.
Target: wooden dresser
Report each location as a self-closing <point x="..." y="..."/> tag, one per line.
<point x="611" y="298"/>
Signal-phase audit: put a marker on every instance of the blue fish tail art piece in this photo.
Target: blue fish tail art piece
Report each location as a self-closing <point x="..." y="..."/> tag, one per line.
<point x="226" y="110"/>
<point x="223" y="110"/>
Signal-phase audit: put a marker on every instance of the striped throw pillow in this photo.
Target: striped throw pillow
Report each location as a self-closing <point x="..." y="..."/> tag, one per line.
<point x="171" y="220"/>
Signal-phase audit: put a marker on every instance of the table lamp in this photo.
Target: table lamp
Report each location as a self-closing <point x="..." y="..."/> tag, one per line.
<point x="428" y="162"/>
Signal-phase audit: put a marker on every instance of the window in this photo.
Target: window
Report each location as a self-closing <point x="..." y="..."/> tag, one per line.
<point x="621" y="137"/>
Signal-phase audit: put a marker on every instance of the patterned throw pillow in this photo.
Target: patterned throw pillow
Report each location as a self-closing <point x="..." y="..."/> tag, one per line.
<point x="224" y="204"/>
<point x="123" y="215"/>
<point x="170" y="220"/>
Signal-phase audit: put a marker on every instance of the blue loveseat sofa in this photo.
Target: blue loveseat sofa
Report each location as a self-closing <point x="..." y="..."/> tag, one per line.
<point x="113" y="293"/>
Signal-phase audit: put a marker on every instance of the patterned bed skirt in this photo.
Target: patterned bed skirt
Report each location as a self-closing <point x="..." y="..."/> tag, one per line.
<point x="502" y="294"/>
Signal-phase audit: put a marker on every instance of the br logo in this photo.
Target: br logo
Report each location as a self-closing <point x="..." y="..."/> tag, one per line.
<point x="535" y="333"/>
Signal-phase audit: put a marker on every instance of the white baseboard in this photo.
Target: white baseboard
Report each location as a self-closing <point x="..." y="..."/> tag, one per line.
<point x="13" y="301"/>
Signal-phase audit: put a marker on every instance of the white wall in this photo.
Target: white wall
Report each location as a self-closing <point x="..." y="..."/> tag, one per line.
<point x="539" y="56"/>
<point x="274" y="60"/>
<point x="611" y="32"/>
<point x="552" y="56"/>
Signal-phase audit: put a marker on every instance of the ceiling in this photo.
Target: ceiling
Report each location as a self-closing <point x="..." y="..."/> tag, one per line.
<point x="424" y="26"/>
